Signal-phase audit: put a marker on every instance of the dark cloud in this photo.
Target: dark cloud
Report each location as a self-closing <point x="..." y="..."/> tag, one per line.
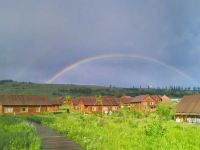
<point x="39" y="38"/>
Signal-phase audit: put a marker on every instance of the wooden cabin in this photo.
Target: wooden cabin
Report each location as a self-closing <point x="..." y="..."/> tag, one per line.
<point x="188" y="109"/>
<point x="143" y="103"/>
<point x="92" y="104"/>
<point x="21" y="104"/>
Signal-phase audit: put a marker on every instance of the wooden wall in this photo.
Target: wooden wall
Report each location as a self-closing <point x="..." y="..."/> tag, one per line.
<point x="31" y="109"/>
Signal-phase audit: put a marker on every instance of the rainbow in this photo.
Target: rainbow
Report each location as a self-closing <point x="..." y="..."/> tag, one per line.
<point x="133" y="56"/>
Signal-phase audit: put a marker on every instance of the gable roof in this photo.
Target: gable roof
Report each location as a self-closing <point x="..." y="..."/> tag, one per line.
<point x="104" y="101"/>
<point x="189" y="105"/>
<point x="126" y="99"/>
<point x="26" y="100"/>
<point x="157" y="98"/>
<point x="139" y="98"/>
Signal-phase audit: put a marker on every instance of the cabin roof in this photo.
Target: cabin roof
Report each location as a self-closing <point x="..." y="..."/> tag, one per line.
<point x="27" y="100"/>
<point x="157" y="98"/>
<point x="189" y="105"/>
<point x="139" y="98"/>
<point x="126" y="99"/>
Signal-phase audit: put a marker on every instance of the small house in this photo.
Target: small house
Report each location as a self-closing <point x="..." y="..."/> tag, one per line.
<point x="92" y="104"/>
<point x="188" y="109"/>
<point x="143" y="102"/>
<point x="21" y="104"/>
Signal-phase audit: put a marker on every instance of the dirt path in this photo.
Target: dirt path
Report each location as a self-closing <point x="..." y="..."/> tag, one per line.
<point x="54" y="141"/>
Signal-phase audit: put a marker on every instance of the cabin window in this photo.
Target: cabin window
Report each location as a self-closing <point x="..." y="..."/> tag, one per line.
<point x="24" y="109"/>
<point x="94" y="109"/>
<point x="8" y="110"/>
<point x="38" y="109"/>
<point x="114" y="108"/>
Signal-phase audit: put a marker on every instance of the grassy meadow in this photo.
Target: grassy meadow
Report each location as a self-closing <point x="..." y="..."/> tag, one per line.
<point x="125" y="130"/>
<point x="16" y="134"/>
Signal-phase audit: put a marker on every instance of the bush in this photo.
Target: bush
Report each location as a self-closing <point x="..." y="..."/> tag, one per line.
<point x="154" y="127"/>
<point x="166" y="110"/>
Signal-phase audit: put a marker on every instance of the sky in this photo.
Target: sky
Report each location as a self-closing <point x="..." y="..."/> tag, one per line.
<point x="39" y="38"/>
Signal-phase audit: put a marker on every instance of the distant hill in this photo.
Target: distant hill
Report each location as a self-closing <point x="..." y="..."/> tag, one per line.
<point x="58" y="90"/>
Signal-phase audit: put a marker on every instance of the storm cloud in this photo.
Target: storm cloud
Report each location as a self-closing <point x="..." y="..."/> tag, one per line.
<point x="39" y="38"/>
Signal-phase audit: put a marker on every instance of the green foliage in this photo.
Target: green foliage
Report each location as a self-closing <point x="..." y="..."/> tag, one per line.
<point x="16" y="134"/>
<point x="61" y="90"/>
<point x="166" y="110"/>
<point x="124" y="131"/>
<point x="154" y="127"/>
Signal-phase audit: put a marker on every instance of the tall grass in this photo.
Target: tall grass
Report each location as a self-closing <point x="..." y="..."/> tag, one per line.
<point x="126" y="130"/>
<point x="16" y="134"/>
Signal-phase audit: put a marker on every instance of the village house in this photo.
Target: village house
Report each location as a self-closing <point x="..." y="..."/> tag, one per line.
<point x="93" y="104"/>
<point x="188" y="109"/>
<point x="21" y="104"/>
<point x="143" y="103"/>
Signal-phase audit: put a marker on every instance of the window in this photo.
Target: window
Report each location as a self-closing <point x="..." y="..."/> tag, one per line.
<point x="94" y="109"/>
<point x="8" y="110"/>
<point x="38" y="109"/>
<point x="24" y="109"/>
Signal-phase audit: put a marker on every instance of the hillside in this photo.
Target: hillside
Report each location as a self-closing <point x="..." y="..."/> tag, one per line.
<point x="58" y="90"/>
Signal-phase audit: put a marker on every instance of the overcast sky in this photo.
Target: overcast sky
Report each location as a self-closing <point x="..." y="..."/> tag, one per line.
<point x="39" y="38"/>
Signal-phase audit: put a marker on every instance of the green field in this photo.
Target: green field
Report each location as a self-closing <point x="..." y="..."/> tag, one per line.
<point x="16" y="134"/>
<point x="125" y="130"/>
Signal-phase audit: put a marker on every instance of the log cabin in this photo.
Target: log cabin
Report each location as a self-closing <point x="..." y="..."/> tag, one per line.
<point x="104" y="104"/>
<point x="188" y="109"/>
<point x="143" y="103"/>
<point x="21" y="104"/>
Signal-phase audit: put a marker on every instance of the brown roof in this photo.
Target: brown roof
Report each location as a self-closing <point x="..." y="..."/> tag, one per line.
<point x="189" y="105"/>
<point x="139" y="98"/>
<point x="22" y="100"/>
<point x="157" y="98"/>
<point x="126" y="99"/>
<point x="75" y="101"/>
<point x="104" y="100"/>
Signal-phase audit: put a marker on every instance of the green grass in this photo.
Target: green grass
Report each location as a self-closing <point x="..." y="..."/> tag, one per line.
<point x="124" y="131"/>
<point x="16" y="134"/>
